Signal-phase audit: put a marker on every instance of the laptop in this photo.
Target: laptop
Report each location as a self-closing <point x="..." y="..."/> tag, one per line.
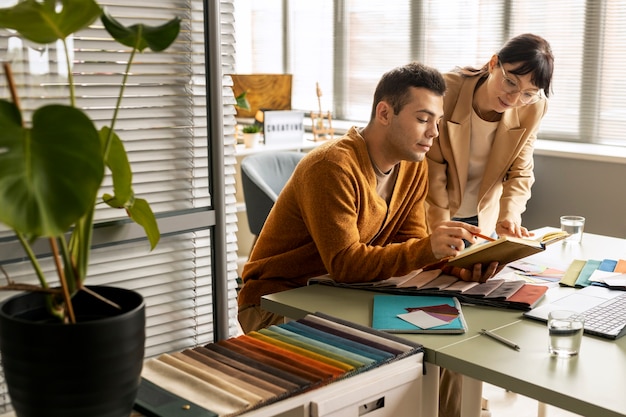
<point x="604" y="310"/>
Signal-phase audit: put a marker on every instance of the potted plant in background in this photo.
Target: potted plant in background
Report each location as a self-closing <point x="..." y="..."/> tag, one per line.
<point x="66" y="348"/>
<point x="251" y="135"/>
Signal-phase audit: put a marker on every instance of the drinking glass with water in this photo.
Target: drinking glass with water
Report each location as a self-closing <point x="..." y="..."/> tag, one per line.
<point x="565" y="329"/>
<point x="574" y="226"/>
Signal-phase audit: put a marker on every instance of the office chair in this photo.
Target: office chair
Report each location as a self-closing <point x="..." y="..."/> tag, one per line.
<point x="263" y="176"/>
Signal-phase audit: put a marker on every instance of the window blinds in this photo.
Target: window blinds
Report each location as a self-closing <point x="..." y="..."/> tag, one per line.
<point x="356" y="41"/>
<point x="163" y="123"/>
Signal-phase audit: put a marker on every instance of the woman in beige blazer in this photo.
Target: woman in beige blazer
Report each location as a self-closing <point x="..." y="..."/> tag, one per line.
<point x="481" y="168"/>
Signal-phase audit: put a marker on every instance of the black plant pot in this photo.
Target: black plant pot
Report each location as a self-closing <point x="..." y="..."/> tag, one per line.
<point x="88" y="369"/>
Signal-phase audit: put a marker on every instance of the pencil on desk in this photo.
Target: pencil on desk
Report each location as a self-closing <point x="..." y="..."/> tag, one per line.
<point x="500" y="339"/>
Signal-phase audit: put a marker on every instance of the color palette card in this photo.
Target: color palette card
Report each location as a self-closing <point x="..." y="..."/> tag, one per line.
<point x="418" y="314"/>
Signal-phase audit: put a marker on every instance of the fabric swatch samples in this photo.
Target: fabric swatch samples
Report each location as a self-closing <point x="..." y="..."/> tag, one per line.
<point x="234" y="376"/>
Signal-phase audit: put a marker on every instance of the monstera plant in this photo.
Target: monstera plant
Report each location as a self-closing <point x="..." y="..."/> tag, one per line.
<point x="53" y="161"/>
<point x="52" y="166"/>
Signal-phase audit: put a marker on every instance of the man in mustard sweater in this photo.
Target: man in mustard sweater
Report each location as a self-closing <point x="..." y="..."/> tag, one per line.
<point x="354" y="207"/>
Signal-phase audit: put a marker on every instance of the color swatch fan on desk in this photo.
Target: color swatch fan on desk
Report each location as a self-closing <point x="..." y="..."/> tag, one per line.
<point x="417" y="314"/>
<point x="610" y="273"/>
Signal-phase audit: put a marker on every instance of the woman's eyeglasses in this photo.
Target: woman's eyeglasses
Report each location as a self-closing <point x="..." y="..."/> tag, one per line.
<point x="510" y="87"/>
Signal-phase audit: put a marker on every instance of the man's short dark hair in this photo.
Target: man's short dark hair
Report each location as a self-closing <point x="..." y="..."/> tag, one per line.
<point x="394" y="86"/>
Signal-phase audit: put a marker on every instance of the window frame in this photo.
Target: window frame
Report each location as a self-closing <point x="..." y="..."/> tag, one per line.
<point x="588" y="123"/>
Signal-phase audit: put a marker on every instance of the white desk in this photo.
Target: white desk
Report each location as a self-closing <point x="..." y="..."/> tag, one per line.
<point x="591" y="384"/>
<point x="356" y="306"/>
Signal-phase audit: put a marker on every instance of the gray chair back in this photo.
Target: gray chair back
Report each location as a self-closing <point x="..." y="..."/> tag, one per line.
<point x="263" y="177"/>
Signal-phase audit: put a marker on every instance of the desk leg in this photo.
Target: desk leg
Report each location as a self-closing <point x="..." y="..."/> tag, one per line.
<point x="430" y="391"/>
<point x="471" y="397"/>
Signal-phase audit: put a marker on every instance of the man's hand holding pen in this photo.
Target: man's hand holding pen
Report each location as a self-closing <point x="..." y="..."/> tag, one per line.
<point x="447" y="242"/>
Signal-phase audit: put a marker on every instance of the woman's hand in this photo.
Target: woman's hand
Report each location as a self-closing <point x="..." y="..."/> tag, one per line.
<point x="509" y="228"/>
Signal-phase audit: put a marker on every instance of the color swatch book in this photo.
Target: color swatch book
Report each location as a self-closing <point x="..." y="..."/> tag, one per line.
<point x="609" y="273"/>
<point x="244" y="373"/>
<point x="496" y="292"/>
<point x="417" y="314"/>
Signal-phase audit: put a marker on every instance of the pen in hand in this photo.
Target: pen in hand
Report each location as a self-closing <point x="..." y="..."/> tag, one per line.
<point x="487" y="238"/>
<point x="500" y="339"/>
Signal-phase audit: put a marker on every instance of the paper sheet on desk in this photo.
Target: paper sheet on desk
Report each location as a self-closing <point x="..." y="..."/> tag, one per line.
<point x="534" y="273"/>
<point x="612" y="279"/>
<point x="422" y="319"/>
<point x="427" y="317"/>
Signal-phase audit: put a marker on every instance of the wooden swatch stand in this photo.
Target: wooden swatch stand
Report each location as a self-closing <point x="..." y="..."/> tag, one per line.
<point x="322" y="127"/>
<point x="321" y="124"/>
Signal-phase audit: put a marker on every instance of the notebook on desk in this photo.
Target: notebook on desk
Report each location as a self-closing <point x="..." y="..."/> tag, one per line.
<point x="604" y="310"/>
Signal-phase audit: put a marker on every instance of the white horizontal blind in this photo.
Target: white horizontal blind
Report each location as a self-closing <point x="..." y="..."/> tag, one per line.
<point x="163" y="124"/>
<point x="228" y="49"/>
<point x="562" y="23"/>
<point x="175" y="280"/>
<point x="163" y="116"/>
<point x="369" y="37"/>
<point x="612" y="95"/>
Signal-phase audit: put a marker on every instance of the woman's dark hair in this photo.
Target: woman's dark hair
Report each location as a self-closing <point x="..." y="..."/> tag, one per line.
<point x="394" y="85"/>
<point x="532" y="53"/>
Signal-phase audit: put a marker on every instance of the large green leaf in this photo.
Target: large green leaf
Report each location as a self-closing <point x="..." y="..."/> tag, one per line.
<point x="41" y="21"/>
<point x="137" y="208"/>
<point x="140" y="36"/>
<point x="117" y="162"/>
<point x="49" y="174"/>
<point x="142" y="214"/>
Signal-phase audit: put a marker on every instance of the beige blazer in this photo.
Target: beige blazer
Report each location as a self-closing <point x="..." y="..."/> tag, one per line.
<point x="508" y="177"/>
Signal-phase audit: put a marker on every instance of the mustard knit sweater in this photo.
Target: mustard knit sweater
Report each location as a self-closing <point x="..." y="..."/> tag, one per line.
<point x="329" y="219"/>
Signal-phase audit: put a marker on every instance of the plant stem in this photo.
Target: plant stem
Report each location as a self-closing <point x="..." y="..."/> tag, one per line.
<point x="32" y="258"/>
<point x="80" y="242"/>
<point x="101" y="298"/>
<point x="65" y="290"/>
<point x="70" y="76"/>
<point x="119" y="101"/>
<point x="11" y="83"/>
<point x="42" y="279"/>
<point x="69" y="264"/>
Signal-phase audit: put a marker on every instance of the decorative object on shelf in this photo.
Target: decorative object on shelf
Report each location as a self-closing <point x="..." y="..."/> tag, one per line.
<point x="51" y="170"/>
<point x="262" y="92"/>
<point x="321" y="123"/>
<point x="251" y="135"/>
<point x="283" y="127"/>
